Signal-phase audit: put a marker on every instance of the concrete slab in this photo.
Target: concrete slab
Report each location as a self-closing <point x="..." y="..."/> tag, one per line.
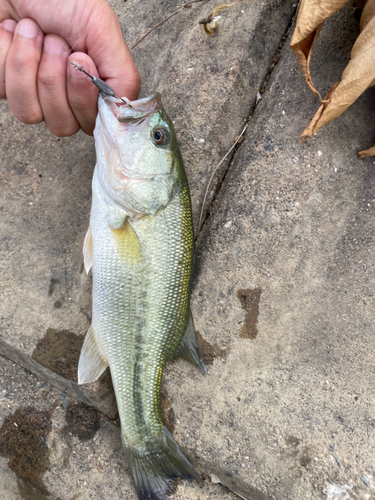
<point x="208" y="83"/>
<point x="54" y="447"/>
<point x="285" y="282"/>
<point x="284" y="287"/>
<point x="45" y="301"/>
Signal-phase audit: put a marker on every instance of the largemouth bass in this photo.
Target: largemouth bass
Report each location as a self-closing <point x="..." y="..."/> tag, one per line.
<point x="140" y="247"/>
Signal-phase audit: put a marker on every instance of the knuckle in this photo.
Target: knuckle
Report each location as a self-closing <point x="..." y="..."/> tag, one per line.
<point x="48" y="79"/>
<point x="22" y="62"/>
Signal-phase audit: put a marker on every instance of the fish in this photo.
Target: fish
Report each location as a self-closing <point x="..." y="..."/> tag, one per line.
<point x="140" y="247"/>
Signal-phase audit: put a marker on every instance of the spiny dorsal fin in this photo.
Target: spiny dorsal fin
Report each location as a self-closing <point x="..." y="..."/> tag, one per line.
<point x="88" y="256"/>
<point x="91" y="362"/>
<point x="188" y="347"/>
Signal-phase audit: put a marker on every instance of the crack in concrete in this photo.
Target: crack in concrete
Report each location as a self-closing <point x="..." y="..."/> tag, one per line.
<point x="275" y="59"/>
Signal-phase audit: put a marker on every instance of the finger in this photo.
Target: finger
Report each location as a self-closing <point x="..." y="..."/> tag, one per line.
<point x="82" y="94"/>
<point x="110" y="52"/>
<point x="52" y="90"/>
<point x="21" y="72"/>
<point x="7" y="28"/>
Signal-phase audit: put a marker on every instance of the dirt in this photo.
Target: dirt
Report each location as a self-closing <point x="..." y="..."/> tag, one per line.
<point x="209" y="352"/>
<point x="52" y="285"/>
<point x="82" y="421"/>
<point x="250" y="302"/>
<point x="167" y="411"/>
<point x="23" y="438"/>
<point x="59" y="351"/>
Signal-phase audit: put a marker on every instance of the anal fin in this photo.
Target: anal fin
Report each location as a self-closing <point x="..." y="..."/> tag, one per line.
<point x="91" y="362"/>
<point x="188" y="347"/>
<point x="88" y="255"/>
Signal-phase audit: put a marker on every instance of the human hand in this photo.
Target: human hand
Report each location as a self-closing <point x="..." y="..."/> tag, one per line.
<point x="37" y="39"/>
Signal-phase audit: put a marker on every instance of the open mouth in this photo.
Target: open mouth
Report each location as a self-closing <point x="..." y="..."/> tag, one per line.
<point x="138" y="111"/>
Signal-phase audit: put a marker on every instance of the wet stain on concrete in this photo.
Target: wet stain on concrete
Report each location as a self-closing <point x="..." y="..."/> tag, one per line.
<point x="305" y="457"/>
<point x="52" y="284"/>
<point x="250" y="302"/>
<point x="23" y="439"/>
<point x="209" y="352"/>
<point x="59" y="351"/>
<point x="30" y="492"/>
<point x="294" y="442"/>
<point x="167" y="411"/>
<point x="82" y="421"/>
<point x="302" y="454"/>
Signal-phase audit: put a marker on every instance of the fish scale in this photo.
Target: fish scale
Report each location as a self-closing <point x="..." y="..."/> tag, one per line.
<point x="140" y="246"/>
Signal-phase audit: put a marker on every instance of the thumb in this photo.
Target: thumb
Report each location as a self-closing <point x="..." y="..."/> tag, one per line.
<point x="107" y="48"/>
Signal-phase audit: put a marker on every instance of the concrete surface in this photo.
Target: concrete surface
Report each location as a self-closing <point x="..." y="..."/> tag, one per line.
<point x="60" y="449"/>
<point x="283" y="296"/>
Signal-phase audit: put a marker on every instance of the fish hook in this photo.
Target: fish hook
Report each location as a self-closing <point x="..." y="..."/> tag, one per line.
<point x="104" y="88"/>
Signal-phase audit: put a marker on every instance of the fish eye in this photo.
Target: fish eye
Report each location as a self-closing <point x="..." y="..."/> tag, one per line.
<point x="160" y="136"/>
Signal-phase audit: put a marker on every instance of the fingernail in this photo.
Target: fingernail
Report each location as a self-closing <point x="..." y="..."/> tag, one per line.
<point x="27" y="28"/>
<point x="9" y="25"/>
<point x="54" y="45"/>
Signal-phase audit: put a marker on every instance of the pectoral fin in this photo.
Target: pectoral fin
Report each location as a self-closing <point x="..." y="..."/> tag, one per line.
<point x="188" y="348"/>
<point x="88" y="256"/>
<point x="127" y="243"/>
<point x="91" y="362"/>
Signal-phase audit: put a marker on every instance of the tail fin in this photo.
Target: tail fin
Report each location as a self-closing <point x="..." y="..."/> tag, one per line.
<point x="154" y="472"/>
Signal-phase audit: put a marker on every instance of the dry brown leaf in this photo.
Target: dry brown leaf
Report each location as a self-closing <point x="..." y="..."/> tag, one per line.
<point x="311" y="16"/>
<point x="360" y="71"/>
<point x="367" y="152"/>
<point x="358" y="76"/>
<point x="367" y="14"/>
<point x="311" y="129"/>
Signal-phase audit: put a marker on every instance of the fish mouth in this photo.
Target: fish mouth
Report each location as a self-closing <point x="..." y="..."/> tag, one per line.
<point x="139" y="109"/>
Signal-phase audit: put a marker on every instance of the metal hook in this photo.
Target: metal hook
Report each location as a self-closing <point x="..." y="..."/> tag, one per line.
<point x="104" y="88"/>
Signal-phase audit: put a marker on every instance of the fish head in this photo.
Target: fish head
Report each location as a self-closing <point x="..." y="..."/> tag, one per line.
<point x="136" y="153"/>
